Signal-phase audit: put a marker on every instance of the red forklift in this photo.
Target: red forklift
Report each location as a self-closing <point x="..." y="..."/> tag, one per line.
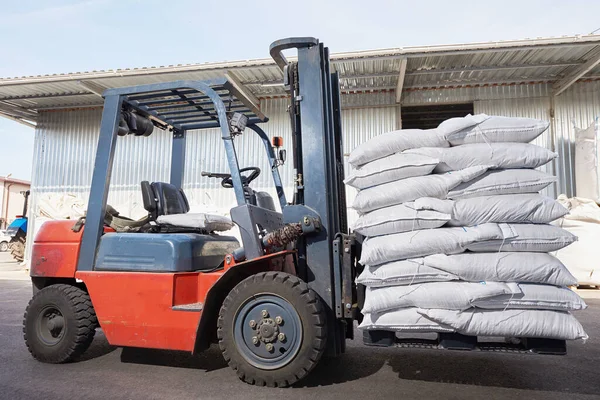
<point x="274" y="303"/>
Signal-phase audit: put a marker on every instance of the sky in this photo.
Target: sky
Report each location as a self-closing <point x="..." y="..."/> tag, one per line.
<point x="45" y="37"/>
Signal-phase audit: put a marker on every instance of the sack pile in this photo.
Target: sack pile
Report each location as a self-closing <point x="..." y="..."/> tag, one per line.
<point x="582" y="257"/>
<point x="456" y="235"/>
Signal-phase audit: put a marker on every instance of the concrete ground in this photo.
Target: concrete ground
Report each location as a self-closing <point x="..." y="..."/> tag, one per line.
<point x="363" y="372"/>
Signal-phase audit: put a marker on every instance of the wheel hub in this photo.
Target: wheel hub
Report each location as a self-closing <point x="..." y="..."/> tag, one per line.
<point x="50" y="325"/>
<point x="55" y="324"/>
<point x="268" y="331"/>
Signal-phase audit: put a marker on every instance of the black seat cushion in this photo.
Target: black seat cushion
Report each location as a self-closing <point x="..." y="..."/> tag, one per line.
<point x="170" y="199"/>
<point x="149" y="199"/>
<point x="161" y="198"/>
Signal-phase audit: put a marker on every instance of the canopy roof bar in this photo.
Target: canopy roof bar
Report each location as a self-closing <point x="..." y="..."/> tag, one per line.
<point x="169" y="114"/>
<point x="186" y="105"/>
<point x="206" y="125"/>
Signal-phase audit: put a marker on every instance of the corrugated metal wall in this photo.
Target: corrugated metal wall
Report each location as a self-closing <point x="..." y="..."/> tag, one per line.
<point x="65" y="142"/>
<point x="577" y="106"/>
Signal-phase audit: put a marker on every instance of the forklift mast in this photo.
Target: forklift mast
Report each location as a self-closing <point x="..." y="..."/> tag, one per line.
<point x="326" y="258"/>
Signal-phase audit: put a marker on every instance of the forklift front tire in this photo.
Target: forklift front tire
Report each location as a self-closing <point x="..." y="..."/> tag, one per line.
<point x="59" y="324"/>
<point x="272" y="329"/>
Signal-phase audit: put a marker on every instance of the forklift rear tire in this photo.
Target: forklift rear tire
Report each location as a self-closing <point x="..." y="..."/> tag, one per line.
<point x="59" y="324"/>
<point x="17" y="247"/>
<point x="272" y="329"/>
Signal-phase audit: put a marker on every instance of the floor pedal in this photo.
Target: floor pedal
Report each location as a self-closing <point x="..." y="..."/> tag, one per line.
<point x="189" y="307"/>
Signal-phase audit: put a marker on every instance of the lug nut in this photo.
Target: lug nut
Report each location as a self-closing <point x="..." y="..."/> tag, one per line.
<point x="281" y="337"/>
<point x="255" y="340"/>
<point x="278" y="320"/>
<point x="252" y="324"/>
<point x="265" y="313"/>
<point x="269" y="347"/>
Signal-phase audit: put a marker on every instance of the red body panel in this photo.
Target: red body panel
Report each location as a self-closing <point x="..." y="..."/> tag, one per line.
<point x="56" y="250"/>
<point x="135" y="309"/>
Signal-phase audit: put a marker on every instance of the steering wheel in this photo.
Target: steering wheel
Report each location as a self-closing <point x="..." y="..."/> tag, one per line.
<point x="227" y="181"/>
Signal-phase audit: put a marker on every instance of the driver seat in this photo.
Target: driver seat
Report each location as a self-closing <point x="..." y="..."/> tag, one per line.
<point x="168" y="207"/>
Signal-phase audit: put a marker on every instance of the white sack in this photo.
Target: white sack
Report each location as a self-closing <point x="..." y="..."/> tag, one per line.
<point x="582" y="257"/>
<point x="395" y="142"/>
<point x="405" y="320"/>
<point x="404" y="272"/>
<point x="539" y="297"/>
<point x="458" y="124"/>
<point x="509" y="323"/>
<point x="500" y="267"/>
<point x="506" y="181"/>
<point x="398" y="218"/>
<point x="410" y="189"/>
<point x="208" y="222"/>
<point x="500" y="155"/>
<point x="522" y="208"/>
<point x="400" y="246"/>
<point x="60" y="206"/>
<point x="389" y="169"/>
<point x="587" y="154"/>
<point x="498" y="129"/>
<point x="526" y="237"/>
<point x="446" y="295"/>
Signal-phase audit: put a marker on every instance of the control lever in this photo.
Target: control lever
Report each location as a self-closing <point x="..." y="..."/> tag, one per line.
<point x="215" y="175"/>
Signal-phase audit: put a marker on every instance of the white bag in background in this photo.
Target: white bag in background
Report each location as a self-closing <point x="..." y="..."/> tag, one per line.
<point x="446" y="295"/>
<point x="505" y="181"/>
<point x="536" y="297"/>
<point x="499" y="129"/>
<point x="411" y="189"/>
<point x="500" y="267"/>
<point x="500" y="155"/>
<point x="398" y="218"/>
<point x="509" y="323"/>
<point x="526" y="237"/>
<point x="389" y="169"/>
<point x="404" y="272"/>
<point x="582" y="258"/>
<point x="587" y="165"/>
<point x="401" y="246"/>
<point x="395" y="142"/>
<point x="510" y="208"/>
<point x="405" y="320"/>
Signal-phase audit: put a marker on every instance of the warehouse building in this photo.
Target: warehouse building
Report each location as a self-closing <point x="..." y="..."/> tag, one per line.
<point x="557" y="79"/>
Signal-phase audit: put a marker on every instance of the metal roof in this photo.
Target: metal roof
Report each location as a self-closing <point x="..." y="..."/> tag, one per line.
<point x="561" y="61"/>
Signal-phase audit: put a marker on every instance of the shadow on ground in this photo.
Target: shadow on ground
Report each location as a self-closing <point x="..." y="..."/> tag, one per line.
<point x="208" y="360"/>
<point x="98" y="348"/>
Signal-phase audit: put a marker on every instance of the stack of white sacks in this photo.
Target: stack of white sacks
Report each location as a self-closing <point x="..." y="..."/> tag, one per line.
<point x="457" y="237"/>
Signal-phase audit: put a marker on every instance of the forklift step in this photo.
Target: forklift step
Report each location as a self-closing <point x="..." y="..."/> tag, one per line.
<point x="456" y="341"/>
<point x="189" y="307"/>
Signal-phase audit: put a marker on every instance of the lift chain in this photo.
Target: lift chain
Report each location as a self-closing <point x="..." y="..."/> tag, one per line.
<point x="289" y="233"/>
<point x="283" y="236"/>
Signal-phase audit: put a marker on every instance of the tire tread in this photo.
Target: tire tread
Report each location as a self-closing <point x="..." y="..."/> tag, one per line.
<point x="317" y="324"/>
<point x="85" y="323"/>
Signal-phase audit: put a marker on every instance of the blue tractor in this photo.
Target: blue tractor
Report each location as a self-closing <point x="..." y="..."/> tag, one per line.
<point x="17" y="230"/>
